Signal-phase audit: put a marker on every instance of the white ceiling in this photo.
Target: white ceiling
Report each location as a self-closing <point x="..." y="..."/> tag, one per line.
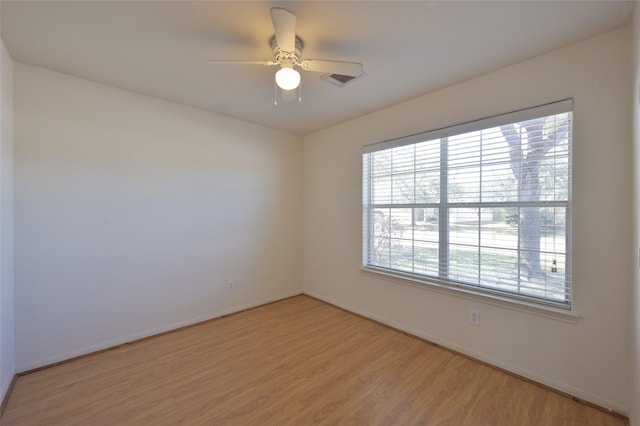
<point x="161" y="48"/>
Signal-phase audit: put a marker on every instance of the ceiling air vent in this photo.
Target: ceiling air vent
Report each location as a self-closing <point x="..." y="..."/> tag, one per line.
<point x="338" y="79"/>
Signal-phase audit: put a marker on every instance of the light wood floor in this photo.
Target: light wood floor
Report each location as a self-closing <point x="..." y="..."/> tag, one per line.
<point x="294" y="362"/>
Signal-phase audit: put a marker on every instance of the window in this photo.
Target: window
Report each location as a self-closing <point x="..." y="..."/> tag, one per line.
<point x="483" y="206"/>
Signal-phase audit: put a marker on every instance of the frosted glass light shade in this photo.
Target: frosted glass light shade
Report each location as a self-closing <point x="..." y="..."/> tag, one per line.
<point x="287" y="78"/>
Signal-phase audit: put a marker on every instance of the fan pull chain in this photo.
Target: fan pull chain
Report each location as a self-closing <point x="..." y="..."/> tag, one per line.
<point x="275" y="94"/>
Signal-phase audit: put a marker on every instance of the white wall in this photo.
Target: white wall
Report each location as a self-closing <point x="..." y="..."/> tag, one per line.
<point x="588" y="359"/>
<point x="634" y="415"/>
<point x="132" y="213"/>
<point x="7" y="340"/>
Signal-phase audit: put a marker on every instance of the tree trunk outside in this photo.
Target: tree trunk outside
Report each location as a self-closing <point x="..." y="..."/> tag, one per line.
<point x="526" y="169"/>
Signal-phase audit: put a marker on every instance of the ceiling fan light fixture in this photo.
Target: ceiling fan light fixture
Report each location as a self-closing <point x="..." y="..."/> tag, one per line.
<point x="287" y="78"/>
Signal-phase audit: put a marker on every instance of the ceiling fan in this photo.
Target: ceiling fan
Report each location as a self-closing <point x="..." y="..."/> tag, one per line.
<point x="287" y="51"/>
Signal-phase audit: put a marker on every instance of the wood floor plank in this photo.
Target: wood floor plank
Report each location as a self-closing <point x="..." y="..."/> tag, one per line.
<point x="295" y="362"/>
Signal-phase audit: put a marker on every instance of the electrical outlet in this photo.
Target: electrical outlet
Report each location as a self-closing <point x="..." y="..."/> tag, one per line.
<point x="231" y="285"/>
<point x="474" y="317"/>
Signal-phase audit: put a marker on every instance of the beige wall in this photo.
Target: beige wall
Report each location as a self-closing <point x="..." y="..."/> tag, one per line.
<point x="588" y="359"/>
<point x="132" y="213"/>
<point x="634" y="416"/>
<point x="7" y="340"/>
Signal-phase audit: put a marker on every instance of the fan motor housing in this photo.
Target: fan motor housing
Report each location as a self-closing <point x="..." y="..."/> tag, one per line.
<point x="276" y="50"/>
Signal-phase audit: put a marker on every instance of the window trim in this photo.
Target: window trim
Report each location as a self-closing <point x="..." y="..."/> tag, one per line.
<point x="559" y="310"/>
<point x="515" y="304"/>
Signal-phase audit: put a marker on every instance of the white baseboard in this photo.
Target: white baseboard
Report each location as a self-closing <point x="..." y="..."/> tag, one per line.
<point x="5" y="390"/>
<point x="147" y="333"/>
<point x="544" y="380"/>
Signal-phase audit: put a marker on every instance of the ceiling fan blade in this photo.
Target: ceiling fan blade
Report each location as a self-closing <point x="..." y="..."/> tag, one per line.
<point x="352" y="69"/>
<point x="284" y="25"/>
<point x="232" y="62"/>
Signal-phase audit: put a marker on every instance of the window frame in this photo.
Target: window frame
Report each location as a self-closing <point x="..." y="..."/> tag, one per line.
<point x="448" y="285"/>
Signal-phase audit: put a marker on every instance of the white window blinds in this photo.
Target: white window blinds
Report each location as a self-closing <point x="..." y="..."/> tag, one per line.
<point x="484" y="204"/>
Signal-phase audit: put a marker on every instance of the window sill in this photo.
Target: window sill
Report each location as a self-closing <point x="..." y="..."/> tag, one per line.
<point x="559" y="314"/>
